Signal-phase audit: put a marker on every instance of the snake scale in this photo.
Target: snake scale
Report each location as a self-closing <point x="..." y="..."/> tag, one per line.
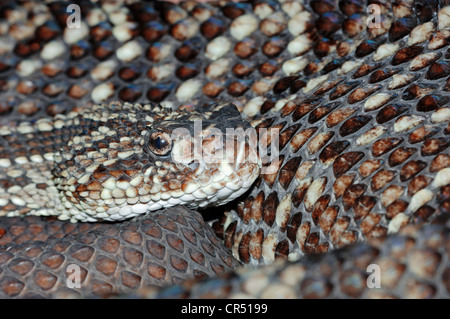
<point x="357" y="92"/>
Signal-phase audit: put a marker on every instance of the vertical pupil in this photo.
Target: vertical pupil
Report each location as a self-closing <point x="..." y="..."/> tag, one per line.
<point x="159" y="143"/>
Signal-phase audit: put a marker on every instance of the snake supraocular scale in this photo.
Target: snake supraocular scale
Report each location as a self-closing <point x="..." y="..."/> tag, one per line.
<point x="363" y="121"/>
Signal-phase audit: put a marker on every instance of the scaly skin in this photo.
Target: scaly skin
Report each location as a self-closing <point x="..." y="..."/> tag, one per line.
<point x="351" y="272"/>
<point x="362" y="113"/>
<point x="109" y="163"/>
<point x="41" y="258"/>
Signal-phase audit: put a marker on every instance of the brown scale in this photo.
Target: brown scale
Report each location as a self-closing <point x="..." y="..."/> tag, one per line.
<point x="273" y="47"/>
<point x="319" y="141"/>
<point x="268" y="68"/>
<point x="329" y="86"/>
<point x="343" y="89"/>
<point x="390" y="112"/>
<point x="383" y="146"/>
<point x="438" y="70"/>
<point x="353" y="25"/>
<point x="384" y="74"/>
<point x="431" y="102"/>
<point x="283" y="84"/>
<point x="401" y="27"/>
<point x="321" y="112"/>
<point x="354" y="124"/>
<point x="417" y="91"/>
<point x="369" y="166"/>
<point x="333" y="65"/>
<point x="238" y="88"/>
<point x="406" y="54"/>
<point x="366" y="48"/>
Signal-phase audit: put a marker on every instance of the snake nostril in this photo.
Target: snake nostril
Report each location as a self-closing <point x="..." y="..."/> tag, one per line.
<point x="193" y="165"/>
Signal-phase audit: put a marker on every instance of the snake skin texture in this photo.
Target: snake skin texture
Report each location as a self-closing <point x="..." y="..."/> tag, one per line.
<point x="170" y="246"/>
<point x="118" y="160"/>
<point x="342" y="273"/>
<point x="363" y="138"/>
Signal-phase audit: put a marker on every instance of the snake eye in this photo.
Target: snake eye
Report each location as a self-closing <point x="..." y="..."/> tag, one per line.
<point x="160" y="143"/>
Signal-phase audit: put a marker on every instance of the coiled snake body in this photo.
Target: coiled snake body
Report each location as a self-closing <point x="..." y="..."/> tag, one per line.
<point x="362" y="119"/>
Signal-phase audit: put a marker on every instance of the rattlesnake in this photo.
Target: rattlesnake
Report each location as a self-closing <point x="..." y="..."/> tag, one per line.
<point x="363" y="133"/>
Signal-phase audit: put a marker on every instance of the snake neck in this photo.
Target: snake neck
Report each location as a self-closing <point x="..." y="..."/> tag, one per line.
<point x="27" y="153"/>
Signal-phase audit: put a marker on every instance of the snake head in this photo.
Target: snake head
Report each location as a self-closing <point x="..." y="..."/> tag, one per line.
<point x="131" y="159"/>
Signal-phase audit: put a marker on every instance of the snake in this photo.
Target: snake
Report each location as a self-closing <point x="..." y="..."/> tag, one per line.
<point x="114" y="123"/>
